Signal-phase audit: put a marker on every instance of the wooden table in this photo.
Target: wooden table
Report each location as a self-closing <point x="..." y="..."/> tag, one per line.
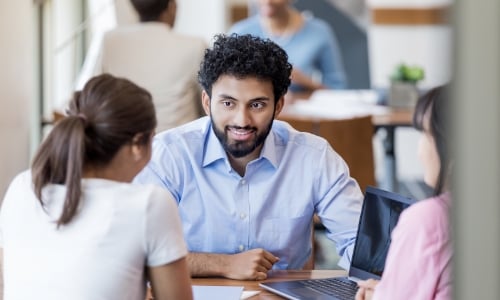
<point x="272" y="276"/>
<point x="394" y="118"/>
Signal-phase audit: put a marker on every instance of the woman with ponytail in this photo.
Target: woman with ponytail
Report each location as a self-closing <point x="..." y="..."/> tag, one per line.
<point x="74" y="227"/>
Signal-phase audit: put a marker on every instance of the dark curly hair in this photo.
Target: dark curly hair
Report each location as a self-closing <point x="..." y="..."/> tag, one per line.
<point x="245" y="56"/>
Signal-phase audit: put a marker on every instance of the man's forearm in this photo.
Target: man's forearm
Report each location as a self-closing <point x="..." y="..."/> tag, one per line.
<point x="207" y="264"/>
<point x="248" y="265"/>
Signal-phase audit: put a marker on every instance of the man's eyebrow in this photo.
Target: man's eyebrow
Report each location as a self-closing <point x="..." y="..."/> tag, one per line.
<point x="225" y="96"/>
<point x="263" y="98"/>
<point x="229" y="97"/>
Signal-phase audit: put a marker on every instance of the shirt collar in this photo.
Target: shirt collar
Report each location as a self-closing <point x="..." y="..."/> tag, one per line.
<point x="215" y="151"/>
<point x="269" y="150"/>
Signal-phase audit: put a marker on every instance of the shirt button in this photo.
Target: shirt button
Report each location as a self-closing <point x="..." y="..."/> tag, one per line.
<point x="243" y="181"/>
<point x="241" y="247"/>
<point x="242" y="216"/>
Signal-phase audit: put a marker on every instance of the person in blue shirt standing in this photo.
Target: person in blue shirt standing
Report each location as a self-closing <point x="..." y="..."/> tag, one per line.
<point x="309" y="42"/>
<point x="248" y="185"/>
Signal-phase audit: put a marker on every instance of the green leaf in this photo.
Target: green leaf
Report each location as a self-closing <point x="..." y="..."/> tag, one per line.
<point x="405" y="73"/>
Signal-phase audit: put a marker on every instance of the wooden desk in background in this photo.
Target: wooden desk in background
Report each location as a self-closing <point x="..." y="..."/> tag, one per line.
<point x="383" y="117"/>
<point x="273" y="276"/>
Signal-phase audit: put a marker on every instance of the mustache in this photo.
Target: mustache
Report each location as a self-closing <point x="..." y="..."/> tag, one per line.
<point x="240" y="128"/>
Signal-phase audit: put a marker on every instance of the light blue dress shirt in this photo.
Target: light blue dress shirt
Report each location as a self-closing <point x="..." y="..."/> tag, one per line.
<point x="271" y="207"/>
<point x="314" y="48"/>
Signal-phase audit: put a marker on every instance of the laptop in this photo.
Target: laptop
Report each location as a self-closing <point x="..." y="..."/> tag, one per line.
<point x="379" y="215"/>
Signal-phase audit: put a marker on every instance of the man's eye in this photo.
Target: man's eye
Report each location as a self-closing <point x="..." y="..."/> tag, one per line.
<point x="226" y="103"/>
<point x="257" y="105"/>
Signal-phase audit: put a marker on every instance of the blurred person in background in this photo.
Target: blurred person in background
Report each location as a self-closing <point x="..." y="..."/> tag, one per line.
<point x="310" y="43"/>
<point x="152" y="55"/>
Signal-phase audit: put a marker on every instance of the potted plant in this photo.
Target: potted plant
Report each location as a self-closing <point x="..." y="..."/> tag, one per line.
<point x="403" y="91"/>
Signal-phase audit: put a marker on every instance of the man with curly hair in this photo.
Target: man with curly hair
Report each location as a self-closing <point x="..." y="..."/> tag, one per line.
<point x="248" y="185"/>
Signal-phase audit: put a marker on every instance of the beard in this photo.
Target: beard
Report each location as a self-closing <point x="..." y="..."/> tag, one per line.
<point x="239" y="149"/>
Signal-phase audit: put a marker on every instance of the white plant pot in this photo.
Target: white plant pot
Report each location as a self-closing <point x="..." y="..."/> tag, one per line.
<point x="402" y="95"/>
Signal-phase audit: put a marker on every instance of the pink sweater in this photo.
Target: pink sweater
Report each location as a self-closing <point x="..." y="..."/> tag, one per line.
<point x="418" y="264"/>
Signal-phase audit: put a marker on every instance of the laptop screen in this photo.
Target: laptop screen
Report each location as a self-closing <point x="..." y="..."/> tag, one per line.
<point x="379" y="216"/>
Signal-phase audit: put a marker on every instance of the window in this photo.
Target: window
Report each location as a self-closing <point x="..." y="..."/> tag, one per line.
<point x="70" y="30"/>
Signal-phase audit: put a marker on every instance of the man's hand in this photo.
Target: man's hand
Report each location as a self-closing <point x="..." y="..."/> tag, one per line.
<point x="250" y="265"/>
<point x="366" y="288"/>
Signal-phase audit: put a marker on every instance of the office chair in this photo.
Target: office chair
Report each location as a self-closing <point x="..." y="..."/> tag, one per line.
<point x="350" y="138"/>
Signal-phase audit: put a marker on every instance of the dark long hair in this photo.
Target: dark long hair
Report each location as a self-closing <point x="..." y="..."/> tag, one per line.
<point x="433" y="106"/>
<point x="107" y="114"/>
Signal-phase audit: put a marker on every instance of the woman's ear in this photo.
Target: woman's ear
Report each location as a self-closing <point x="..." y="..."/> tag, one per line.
<point x="136" y="152"/>
<point x="205" y="101"/>
<point x="138" y="146"/>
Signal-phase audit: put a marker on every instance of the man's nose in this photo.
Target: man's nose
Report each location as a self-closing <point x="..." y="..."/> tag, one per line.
<point x="242" y="117"/>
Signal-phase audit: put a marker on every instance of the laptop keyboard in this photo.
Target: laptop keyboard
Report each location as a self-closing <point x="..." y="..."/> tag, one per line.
<point x="339" y="287"/>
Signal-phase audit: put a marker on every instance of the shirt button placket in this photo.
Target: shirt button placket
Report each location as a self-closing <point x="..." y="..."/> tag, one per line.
<point x="242" y="206"/>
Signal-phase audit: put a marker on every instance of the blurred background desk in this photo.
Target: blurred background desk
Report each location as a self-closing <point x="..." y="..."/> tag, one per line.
<point x="272" y="276"/>
<point x="328" y="105"/>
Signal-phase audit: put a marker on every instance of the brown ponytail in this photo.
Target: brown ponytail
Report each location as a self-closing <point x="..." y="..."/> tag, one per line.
<point x="103" y="117"/>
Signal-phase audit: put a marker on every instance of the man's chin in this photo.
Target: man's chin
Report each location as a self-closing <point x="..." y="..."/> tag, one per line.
<point x="239" y="151"/>
<point x="241" y="143"/>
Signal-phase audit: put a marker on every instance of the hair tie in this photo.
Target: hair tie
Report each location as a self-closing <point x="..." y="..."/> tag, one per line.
<point x="82" y="117"/>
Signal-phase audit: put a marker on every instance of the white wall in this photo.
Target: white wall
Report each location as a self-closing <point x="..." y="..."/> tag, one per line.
<point x="17" y="86"/>
<point x="202" y="18"/>
<point x="426" y="46"/>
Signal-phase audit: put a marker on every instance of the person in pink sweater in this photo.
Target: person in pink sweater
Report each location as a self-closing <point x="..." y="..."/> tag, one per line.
<point x="418" y="264"/>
